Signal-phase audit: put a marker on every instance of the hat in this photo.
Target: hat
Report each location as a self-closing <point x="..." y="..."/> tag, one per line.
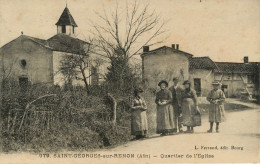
<point x="175" y="79"/>
<point x="163" y="81"/>
<point x="186" y="82"/>
<point x="138" y="90"/>
<point x="216" y="83"/>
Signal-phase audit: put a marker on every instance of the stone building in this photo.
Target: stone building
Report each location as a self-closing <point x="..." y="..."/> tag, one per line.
<point x="238" y="78"/>
<point x="167" y="62"/>
<point x="164" y="63"/>
<point x="201" y="74"/>
<point x="32" y="60"/>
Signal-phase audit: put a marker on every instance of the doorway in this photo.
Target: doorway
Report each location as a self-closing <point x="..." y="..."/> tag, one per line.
<point x="224" y="88"/>
<point x="197" y="86"/>
<point x="23" y="82"/>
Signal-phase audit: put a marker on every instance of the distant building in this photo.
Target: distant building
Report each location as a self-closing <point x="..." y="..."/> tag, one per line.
<point x="201" y="74"/>
<point x="164" y="63"/>
<point x="238" y="78"/>
<point x="32" y="60"/>
<point x="168" y="62"/>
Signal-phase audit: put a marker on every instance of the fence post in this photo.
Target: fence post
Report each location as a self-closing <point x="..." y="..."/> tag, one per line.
<point x="114" y="107"/>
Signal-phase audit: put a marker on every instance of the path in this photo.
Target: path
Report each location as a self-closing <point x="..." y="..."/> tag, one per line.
<point x="241" y="130"/>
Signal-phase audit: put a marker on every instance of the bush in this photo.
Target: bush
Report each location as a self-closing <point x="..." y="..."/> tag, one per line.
<point x="80" y="121"/>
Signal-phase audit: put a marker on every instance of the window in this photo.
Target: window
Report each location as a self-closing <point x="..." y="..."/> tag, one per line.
<point x="23" y="63"/>
<point x="73" y="29"/>
<point x="63" y="29"/>
<point x="250" y="79"/>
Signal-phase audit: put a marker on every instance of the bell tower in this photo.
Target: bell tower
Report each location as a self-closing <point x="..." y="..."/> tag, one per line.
<point x="66" y="24"/>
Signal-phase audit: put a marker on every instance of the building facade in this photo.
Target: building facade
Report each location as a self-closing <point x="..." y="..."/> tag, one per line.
<point x="201" y="74"/>
<point x="32" y="60"/>
<point x="164" y="63"/>
<point x="238" y="78"/>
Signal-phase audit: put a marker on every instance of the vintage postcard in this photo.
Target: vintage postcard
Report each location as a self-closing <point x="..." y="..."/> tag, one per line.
<point x="129" y="81"/>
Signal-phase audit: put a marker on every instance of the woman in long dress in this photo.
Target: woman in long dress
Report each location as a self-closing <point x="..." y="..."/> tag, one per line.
<point x="165" y="113"/>
<point x="189" y="106"/>
<point x="216" y="98"/>
<point x="139" y="126"/>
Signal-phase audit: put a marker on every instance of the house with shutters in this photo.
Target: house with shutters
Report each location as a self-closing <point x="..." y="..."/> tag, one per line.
<point x="33" y="60"/>
<point x="237" y="79"/>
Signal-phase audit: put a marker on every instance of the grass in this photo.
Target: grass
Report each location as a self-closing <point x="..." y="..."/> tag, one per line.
<point x="82" y="121"/>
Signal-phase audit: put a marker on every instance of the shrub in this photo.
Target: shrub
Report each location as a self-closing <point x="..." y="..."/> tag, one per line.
<point x="80" y="121"/>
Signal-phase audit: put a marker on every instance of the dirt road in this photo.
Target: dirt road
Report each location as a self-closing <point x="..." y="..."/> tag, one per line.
<point x="238" y="141"/>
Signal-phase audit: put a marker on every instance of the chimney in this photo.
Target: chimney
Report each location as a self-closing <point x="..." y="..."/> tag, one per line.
<point x="173" y="46"/>
<point x="145" y="48"/>
<point x="246" y="59"/>
<point x="177" y="46"/>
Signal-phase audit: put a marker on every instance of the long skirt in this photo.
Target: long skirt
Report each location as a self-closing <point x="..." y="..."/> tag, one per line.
<point x="139" y="125"/>
<point x="216" y="113"/>
<point x="165" y="119"/>
<point x="188" y="112"/>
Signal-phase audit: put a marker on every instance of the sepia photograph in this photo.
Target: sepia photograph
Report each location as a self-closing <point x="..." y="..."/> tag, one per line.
<point x="129" y="81"/>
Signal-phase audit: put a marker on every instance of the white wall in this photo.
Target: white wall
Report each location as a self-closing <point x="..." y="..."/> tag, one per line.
<point x="206" y="77"/>
<point x="38" y="58"/>
<point x="69" y="30"/>
<point x="164" y="65"/>
<point x="234" y="83"/>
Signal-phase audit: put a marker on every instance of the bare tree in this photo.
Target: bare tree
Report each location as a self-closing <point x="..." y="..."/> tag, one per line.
<point x="76" y="66"/>
<point x="121" y="34"/>
<point x="127" y="31"/>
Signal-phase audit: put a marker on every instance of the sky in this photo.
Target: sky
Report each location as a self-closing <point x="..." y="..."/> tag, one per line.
<point x="224" y="30"/>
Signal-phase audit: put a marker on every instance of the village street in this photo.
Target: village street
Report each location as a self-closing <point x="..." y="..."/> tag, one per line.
<point x="240" y="130"/>
<point x="238" y="141"/>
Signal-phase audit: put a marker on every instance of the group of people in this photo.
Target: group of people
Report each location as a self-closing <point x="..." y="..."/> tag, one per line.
<point x="176" y="107"/>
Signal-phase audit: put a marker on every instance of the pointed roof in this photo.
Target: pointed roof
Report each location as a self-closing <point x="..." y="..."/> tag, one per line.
<point x="66" y="18"/>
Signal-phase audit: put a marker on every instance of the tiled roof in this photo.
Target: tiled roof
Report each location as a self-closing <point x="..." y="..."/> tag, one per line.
<point x="237" y="67"/>
<point x="59" y="42"/>
<point x="39" y="41"/>
<point x="202" y="63"/>
<point x="65" y="43"/>
<point x="66" y="18"/>
<point x="166" y="47"/>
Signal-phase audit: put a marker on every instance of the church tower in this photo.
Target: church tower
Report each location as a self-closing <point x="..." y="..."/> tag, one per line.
<point x="66" y="23"/>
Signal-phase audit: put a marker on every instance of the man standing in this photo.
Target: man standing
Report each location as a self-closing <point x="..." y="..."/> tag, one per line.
<point x="176" y="103"/>
<point x="216" y="98"/>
